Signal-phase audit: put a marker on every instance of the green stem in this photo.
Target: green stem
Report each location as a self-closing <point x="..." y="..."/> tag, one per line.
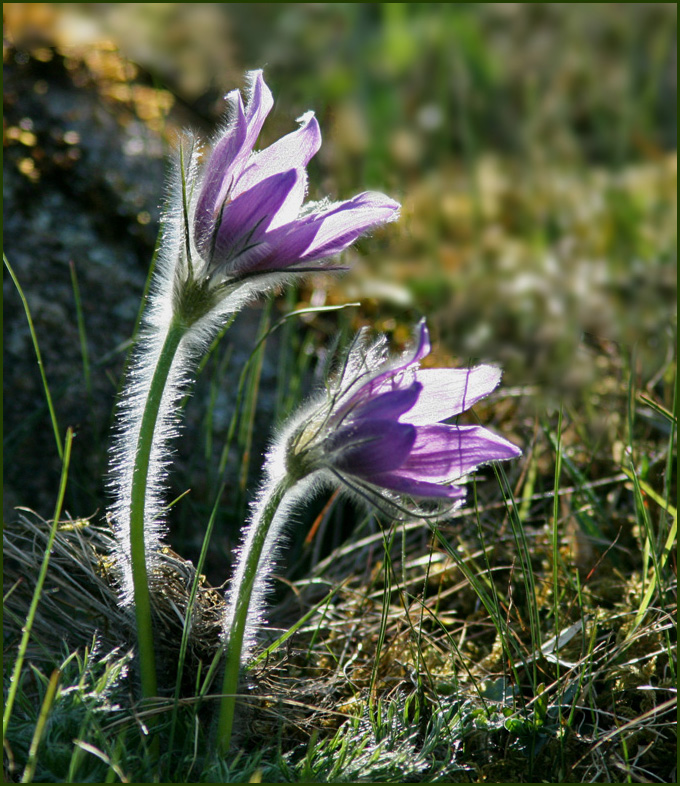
<point x="147" y="662"/>
<point x="234" y="641"/>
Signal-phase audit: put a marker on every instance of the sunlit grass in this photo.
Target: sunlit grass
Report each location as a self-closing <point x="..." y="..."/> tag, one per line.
<point x="494" y="646"/>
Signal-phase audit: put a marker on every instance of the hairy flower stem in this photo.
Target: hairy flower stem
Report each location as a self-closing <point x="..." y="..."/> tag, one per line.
<point x="250" y="558"/>
<point x="142" y="598"/>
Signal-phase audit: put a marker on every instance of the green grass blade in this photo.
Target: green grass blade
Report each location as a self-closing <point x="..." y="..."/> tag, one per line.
<point x="672" y="438"/>
<point x="388" y="539"/>
<point x="34" y="338"/>
<point x="188" y="613"/>
<point x="555" y="526"/>
<point x="477" y="579"/>
<point x="658" y="561"/>
<point x="50" y="693"/>
<point x="81" y="329"/>
<point x="524" y="553"/>
<point x="262" y="656"/>
<point x="247" y="419"/>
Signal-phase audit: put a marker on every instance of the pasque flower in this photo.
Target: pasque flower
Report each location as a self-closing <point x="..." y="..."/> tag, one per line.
<point x="378" y="427"/>
<point x="234" y="226"/>
<point x="377" y="431"/>
<point x="245" y="225"/>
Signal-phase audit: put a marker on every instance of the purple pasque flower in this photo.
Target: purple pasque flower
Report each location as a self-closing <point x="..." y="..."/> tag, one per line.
<point x="246" y="215"/>
<point x="379" y="429"/>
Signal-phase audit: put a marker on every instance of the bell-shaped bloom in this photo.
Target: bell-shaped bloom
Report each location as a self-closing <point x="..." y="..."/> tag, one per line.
<point x="246" y="215"/>
<point x="379" y="430"/>
<point x="234" y="226"/>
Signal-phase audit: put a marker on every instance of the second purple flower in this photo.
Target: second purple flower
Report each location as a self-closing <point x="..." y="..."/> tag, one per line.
<point x="379" y="429"/>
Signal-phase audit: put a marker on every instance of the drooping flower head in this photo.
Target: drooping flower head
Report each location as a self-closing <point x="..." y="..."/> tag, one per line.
<point x="376" y="431"/>
<point x="379" y="431"/>
<point x="243" y="225"/>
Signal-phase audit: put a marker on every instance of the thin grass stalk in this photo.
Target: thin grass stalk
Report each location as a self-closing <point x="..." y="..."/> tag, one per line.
<point x="114" y="770"/>
<point x="556" y="554"/>
<point x="45" y="707"/>
<point x="387" y="571"/>
<point x="658" y="562"/>
<point x="210" y="675"/>
<point x="528" y="487"/>
<point x="82" y="335"/>
<point x="584" y="485"/>
<point x="186" y="629"/>
<point x="416" y="636"/>
<point x="502" y="629"/>
<point x="283" y="638"/>
<point x="524" y="551"/>
<point x="491" y="604"/>
<point x="34" y="338"/>
<point x="247" y="421"/>
<point x="113" y="767"/>
<point x="30" y="617"/>
<point x="423" y="603"/>
<point x="555" y="532"/>
<point x="673" y="420"/>
<point x="586" y="661"/>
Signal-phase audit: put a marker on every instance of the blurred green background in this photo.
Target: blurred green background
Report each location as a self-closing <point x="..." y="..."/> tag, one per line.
<point x="533" y="146"/>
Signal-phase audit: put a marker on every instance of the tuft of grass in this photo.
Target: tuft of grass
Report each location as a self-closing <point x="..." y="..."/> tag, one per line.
<point x="511" y="640"/>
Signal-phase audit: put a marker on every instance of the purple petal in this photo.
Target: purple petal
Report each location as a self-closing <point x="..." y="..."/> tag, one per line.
<point x="375" y="446"/>
<point x="260" y="102"/>
<point x="221" y="169"/>
<point x="340" y="226"/>
<point x="450" y="391"/>
<point x="230" y="154"/>
<point x="290" y="244"/>
<point x="413" y="355"/>
<point x="390" y="405"/>
<point x="258" y="227"/>
<point x="387" y="380"/>
<point x="444" y="453"/>
<point x="246" y="218"/>
<point x="290" y="209"/>
<point x="286" y="245"/>
<point x="416" y="488"/>
<point x="293" y="151"/>
<point x="420" y="349"/>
